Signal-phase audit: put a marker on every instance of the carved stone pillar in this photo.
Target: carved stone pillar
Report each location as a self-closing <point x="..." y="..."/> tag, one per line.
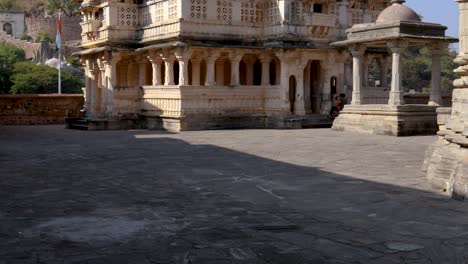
<point x="396" y="93"/>
<point x="95" y="105"/>
<point x="169" y="67"/>
<point x="183" y="56"/>
<point x="436" y="93"/>
<point x="103" y="85"/>
<point x="235" y="59"/>
<point x="357" y="53"/>
<point x="299" y="105"/>
<point x="156" y="68"/>
<point x="210" y="70"/>
<point x="111" y="71"/>
<point x="265" y="60"/>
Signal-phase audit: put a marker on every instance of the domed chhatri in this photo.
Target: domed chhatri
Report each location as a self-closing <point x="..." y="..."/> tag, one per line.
<point x="398" y="12"/>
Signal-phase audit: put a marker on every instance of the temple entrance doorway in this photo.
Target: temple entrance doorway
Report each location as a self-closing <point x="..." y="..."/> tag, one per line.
<point x="292" y="93"/>
<point x="313" y="93"/>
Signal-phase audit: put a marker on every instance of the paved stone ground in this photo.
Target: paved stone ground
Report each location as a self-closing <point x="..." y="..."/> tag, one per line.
<point x="243" y="196"/>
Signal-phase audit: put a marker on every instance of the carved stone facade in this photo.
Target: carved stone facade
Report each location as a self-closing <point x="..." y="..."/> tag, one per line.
<point x="201" y="64"/>
<point x="447" y="159"/>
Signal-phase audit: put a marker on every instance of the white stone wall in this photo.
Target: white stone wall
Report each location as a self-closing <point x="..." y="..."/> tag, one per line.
<point x="16" y="19"/>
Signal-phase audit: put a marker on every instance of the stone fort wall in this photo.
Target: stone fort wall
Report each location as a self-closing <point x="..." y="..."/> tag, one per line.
<point x="71" y="29"/>
<point x="39" y="109"/>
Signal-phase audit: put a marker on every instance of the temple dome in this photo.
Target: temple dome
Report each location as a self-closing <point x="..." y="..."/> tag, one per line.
<point x="397" y="12"/>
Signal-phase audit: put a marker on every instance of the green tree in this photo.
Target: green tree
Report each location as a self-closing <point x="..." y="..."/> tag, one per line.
<point x="30" y="78"/>
<point x="9" y="55"/>
<point x="8" y="5"/>
<point x="44" y="35"/>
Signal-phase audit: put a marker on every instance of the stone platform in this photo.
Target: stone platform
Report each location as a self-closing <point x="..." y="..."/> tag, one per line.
<point x="312" y="196"/>
<point x="401" y="120"/>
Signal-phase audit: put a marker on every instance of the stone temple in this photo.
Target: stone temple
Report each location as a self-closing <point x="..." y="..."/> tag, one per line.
<point x="204" y="64"/>
<point x="397" y="28"/>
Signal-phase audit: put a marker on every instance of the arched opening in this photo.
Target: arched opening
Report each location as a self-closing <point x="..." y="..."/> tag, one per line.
<point x="227" y="72"/>
<point x="149" y="74"/>
<point x="242" y="73"/>
<point x="163" y="73"/>
<point x="333" y="86"/>
<point x="257" y="73"/>
<point x="8" y="28"/>
<point x="176" y="72"/>
<point x="190" y="73"/>
<point x="314" y="87"/>
<point x="202" y="73"/>
<point x="273" y="73"/>
<point x="292" y="93"/>
<point x="223" y="71"/>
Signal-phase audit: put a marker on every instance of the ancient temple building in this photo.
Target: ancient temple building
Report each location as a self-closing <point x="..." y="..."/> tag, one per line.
<point x="201" y="64"/>
<point x="447" y="159"/>
<point x="397" y="28"/>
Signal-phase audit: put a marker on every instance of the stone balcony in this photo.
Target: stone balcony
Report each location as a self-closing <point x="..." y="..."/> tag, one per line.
<point x="90" y="30"/>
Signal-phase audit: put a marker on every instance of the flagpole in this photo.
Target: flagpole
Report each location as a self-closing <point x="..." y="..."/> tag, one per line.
<point x="59" y="54"/>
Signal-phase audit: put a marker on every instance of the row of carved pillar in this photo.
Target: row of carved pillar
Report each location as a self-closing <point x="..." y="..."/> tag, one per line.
<point x="360" y="73"/>
<point x="183" y="58"/>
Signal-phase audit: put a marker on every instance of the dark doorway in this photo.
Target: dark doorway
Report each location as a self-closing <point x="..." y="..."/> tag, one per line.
<point x="292" y="93"/>
<point x="8" y="28"/>
<point x="315" y="86"/>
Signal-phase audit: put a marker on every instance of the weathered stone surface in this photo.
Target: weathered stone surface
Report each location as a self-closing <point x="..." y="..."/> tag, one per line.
<point x="251" y="196"/>
<point x="403" y="120"/>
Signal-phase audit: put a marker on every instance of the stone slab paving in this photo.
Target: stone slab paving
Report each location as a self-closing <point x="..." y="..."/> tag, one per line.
<point x="241" y="196"/>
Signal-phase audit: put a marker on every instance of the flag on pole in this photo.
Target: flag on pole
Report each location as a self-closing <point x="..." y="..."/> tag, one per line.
<point x="58" y="45"/>
<point x="58" y="38"/>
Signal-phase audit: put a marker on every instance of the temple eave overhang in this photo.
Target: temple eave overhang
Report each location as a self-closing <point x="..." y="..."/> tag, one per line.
<point x="382" y="40"/>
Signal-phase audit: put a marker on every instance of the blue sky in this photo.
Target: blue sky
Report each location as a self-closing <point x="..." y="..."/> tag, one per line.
<point x="438" y="11"/>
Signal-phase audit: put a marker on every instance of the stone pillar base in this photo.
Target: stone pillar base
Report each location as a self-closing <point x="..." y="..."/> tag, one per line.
<point x="403" y="120"/>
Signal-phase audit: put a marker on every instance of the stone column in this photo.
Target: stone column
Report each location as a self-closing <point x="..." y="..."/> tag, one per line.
<point x="249" y="72"/>
<point x="88" y="87"/>
<point x="111" y="72"/>
<point x="94" y="90"/>
<point x="436" y="94"/>
<point x="284" y="80"/>
<point x="183" y="56"/>
<point x="210" y="70"/>
<point x="220" y="72"/>
<point x="141" y="71"/>
<point x="357" y="52"/>
<point x="156" y="67"/>
<point x="235" y="59"/>
<point x="103" y="84"/>
<point x="265" y="59"/>
<point x="299" y="105"/>
<point x="196" y="71"/>
<point x="169" y="67"/>
<point x="396" y="93"/>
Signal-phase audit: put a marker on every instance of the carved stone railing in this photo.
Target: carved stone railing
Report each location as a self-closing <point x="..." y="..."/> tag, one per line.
<point x="126" y="100"/>
<point x="177" y="101"/>
<point x="90" y="29"/>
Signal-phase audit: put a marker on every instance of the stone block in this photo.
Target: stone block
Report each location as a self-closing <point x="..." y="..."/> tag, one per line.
<point x="404" y="120"/>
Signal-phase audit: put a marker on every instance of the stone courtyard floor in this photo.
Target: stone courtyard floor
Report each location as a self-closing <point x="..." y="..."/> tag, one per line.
<point x="215" y="197"/>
